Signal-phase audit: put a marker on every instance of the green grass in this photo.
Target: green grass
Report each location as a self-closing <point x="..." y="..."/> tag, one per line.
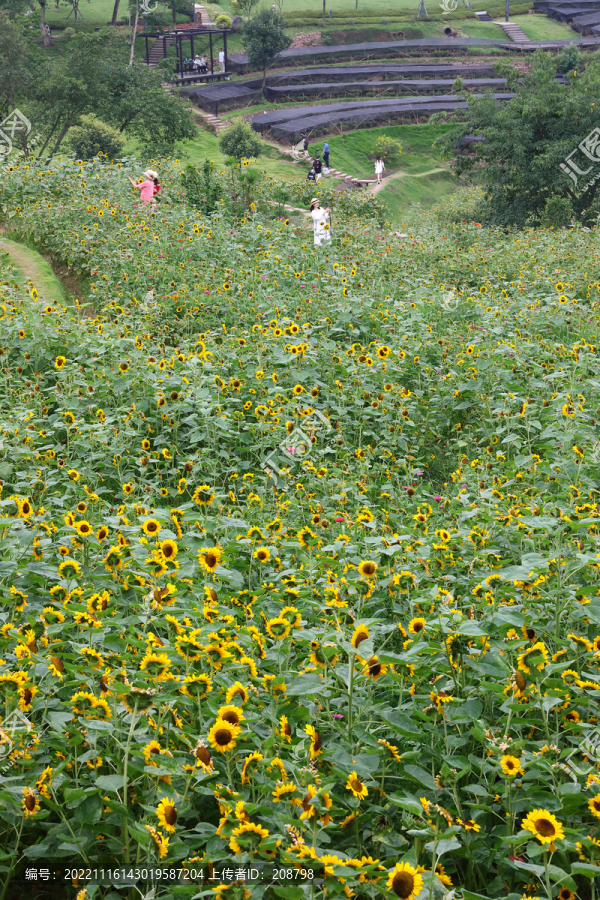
<point x="401" y="194"/>
<point x="350" y="152"/>
<point x="541" y="28"/>
<point x="30" y="265"/>
<point x="206" y="146"/>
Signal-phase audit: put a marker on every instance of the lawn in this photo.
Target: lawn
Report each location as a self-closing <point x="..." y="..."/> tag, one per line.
<point x="206" y="146"/>
<point x="542" y="28"/>
<point x="405" y="197"/>
<point x="351" y="152"/>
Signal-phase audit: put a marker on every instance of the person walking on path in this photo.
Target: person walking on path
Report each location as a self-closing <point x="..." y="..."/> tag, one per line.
<point x="222" y="60"/>
<point x="147" y="186"/>
<point x="325" y="157"/>
<point x="318" y="167"/>
<point x="379" y="169"/>
<point x="321" y="228"/>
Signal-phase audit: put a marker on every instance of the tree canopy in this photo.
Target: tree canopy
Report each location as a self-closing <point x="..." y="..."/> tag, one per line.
<point x="263" y="38"/>
<point x="527" y="142"/>
<point x="92" y="76"/>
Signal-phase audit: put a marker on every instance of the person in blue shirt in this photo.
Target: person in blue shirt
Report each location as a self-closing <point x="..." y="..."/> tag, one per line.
<point x="326" y="154"/>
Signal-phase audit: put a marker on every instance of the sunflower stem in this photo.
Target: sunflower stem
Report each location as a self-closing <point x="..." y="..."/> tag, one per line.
<point x="547" y="877"/>
<point x="350" y="694"/>
<point x="13" y="861"/>
<point x="125" y="762"/>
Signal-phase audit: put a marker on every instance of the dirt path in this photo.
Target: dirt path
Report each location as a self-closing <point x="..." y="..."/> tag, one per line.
<point x="379" y="187"/>
<point x="30" y="266"/>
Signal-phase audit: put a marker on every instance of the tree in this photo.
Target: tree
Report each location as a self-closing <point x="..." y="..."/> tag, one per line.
<point x="245" y="6"/>
<point x="263" y="38"/>
<point x="92" y="136"/>
<point x="240" y="141"/>
<point x="531" y="147"/>
<point x="17" y="67"/>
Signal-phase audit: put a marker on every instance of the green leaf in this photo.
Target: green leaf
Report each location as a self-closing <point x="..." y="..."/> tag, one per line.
<point x="446" y="845"/>
<point x="112" y="783"/>
<point x="305" y="685"/>
<point x="586" y="869"/>
<point x="420" y="775"/>
<point x="407" y="803"/>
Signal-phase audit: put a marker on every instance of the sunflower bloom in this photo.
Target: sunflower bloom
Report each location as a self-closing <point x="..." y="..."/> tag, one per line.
<point x="404" y="881"/>
<point x="167" y="814"/>
<point x="511" y="766"/>
<point x="543" y="825"/>
<point x="222" y="736"/>
<point x="356" y="786"/>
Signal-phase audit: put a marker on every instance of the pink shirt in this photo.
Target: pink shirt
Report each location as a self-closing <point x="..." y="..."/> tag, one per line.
<point x="147" y="189"/>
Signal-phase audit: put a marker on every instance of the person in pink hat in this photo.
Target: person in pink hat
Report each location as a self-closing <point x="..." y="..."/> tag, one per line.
<point x="147" y="186"/>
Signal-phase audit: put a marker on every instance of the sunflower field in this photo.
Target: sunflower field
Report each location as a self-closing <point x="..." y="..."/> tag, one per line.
<point x="300" y="567"/>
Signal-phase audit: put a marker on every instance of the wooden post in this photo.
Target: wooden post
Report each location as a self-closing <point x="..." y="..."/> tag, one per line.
<point x="212" y="68"/>
<point x="192" y="41"/>
<point x="225" y="50"/>
<point x="164" y="46"/>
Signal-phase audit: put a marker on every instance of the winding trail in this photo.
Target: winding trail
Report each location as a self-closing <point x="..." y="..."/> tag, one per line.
<point x="31" y="266"/>
<point x="379" y="187"/>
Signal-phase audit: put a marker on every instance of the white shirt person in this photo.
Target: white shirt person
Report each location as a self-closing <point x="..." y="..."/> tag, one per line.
<point x="379" y="168"/>
<point x="320" y="226"/>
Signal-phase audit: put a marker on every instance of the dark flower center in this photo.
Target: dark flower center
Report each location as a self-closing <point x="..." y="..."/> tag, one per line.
<point x="545" y="827"/>
<point x="403" y="884"/>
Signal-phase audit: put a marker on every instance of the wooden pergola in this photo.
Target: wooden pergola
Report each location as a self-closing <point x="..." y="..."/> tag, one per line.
<point x="189" y="34"/>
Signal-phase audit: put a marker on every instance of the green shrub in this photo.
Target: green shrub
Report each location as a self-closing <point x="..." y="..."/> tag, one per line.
<point x="92" y="136"/>
<point x="557" y="212"/>
<point x="240" y="140"/>
<point x="69" y="33"/>
<point x="387" y="148"/>
<point x="203" y="188"/>
<point x="223" y="21"/>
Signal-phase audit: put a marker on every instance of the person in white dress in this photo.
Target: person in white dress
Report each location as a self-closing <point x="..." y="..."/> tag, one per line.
<point x="222" y="60"/>
<point x="379" y="168"/>
<point x="320" y="218"/>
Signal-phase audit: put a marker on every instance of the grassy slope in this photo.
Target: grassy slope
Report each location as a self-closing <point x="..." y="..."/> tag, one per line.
<point x="401" y="194"/>
<point x="350" y="152"/>
<point x="30" y="265"/>
<point x="99" y="12"/>
<point x="206" y="146"/>
<point x="541" y="28"/>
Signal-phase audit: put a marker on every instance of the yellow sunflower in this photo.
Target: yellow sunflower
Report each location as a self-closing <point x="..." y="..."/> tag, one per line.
<point x="367" y="568"/>
<point x="169" y="549"/>
<point x="404" y="881"/>
<point x="315" y="741"/>
<point x="543" y="825"/>
<point x="151" y="527"/>
<point x="203" y="495"/>
<point x="262" y="554"/>
<point x="222" y="736"/>
<point x="246" y="837"/>
<point x="231" y="714"/>
<point x="30" y="802"/>
<point x="416" y="625"/>
<point x="167" y="814"/>
<point x="361" y="633"/>
<point x="594" y="806"/>
<point x="511" y="766"/>
<point x="210" y="557"/>
<point x="356" y="786"/>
